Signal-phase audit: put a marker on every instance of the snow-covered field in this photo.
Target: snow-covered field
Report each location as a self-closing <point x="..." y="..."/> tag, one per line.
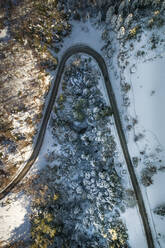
<point x="143" y="116"/>
<point x="14" y="217"/>
<point x="143" y="120"/>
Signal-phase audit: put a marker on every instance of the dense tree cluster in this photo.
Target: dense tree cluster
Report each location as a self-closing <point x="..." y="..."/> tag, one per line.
<point x="91" y="8"/>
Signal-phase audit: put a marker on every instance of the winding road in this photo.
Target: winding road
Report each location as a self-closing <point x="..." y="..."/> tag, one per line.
<point x="101" y="63"/>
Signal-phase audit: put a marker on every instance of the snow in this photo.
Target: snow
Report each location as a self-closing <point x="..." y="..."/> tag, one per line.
<point x="146" y="76"/>
<point x="47" y="147"/>
<point x="155" y="191"/>
<point x="4" y="34"/>
<point x="103" y="90"/>
<point x="136" y="234"/>
<point x="14" y="220"/>
<point x="148" y="89"/>
<point x="156" y="196"/>
<point x="83" y="33"/>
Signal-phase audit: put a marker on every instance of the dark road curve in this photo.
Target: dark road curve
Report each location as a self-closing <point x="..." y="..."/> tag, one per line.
<point x="100" y="61"/>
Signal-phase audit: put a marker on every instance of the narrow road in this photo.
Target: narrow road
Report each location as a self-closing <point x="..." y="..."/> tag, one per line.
<point x="71" y="51"/>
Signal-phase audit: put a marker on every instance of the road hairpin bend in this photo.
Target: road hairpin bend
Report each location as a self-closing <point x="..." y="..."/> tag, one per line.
<point x="101" y="63"/>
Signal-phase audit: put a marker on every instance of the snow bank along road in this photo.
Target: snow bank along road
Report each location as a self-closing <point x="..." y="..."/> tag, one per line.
<point x="71" y="51"/>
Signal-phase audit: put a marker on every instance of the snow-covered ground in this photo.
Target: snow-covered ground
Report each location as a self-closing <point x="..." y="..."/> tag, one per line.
<point x="14" y="217"/>
<point x="148" y="92"/>
<point x="145" y="74"/>
<point x="141" y="65"/>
